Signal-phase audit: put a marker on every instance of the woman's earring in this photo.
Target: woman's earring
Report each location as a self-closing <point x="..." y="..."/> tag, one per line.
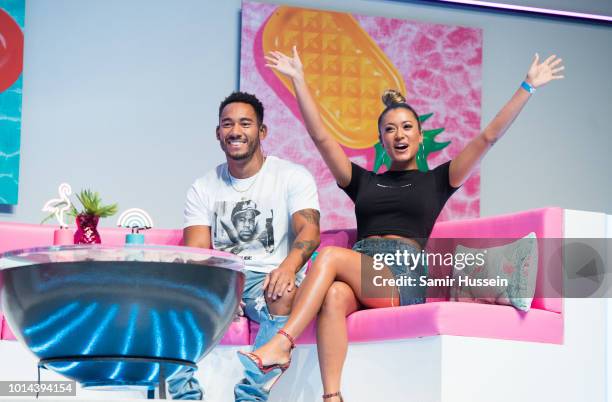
<point x="421" y="159"/>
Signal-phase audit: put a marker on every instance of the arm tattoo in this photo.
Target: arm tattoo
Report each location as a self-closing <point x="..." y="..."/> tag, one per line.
<point x="307" y="247"/>
<point x="311" y="215"/>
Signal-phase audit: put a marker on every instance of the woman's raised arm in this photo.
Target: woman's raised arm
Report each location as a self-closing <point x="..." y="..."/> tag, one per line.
<point x="332" y="153"/>
<point x="538" y="75"/>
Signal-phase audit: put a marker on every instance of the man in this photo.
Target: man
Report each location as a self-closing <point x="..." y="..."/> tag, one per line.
<point x="273" y="225"/>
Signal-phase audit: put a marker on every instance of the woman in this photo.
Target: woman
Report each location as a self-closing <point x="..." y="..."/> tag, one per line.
<point x="390" y="216"/>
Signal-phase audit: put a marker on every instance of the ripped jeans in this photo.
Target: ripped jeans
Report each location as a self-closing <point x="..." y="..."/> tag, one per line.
<point x="183" y="385"/>
<point x="256" y="308"/>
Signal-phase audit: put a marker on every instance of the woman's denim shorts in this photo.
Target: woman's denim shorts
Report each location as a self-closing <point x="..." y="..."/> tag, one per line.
<point x="408" y="294"/>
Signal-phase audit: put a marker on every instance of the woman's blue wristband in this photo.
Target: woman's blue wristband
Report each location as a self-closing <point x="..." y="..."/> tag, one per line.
<point x="527" y="87"/>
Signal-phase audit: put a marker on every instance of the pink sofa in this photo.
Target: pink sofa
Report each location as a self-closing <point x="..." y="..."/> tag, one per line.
<point x="543" y="323"/>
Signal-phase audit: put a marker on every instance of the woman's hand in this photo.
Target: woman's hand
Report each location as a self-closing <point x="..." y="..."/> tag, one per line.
<point x="289" y="66"/>
<point x="538" y="75"/>
<point x="541" y="73"/>
<point x="329" y="148"/>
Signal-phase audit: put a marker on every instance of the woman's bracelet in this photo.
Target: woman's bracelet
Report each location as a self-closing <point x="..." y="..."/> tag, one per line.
<point x="528" y="87"/>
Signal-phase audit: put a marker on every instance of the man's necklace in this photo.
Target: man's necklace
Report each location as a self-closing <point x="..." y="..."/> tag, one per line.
<point x="231" y="179"/>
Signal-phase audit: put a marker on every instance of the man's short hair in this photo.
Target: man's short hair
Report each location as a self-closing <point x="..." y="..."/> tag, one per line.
<point x="243" y="97"/>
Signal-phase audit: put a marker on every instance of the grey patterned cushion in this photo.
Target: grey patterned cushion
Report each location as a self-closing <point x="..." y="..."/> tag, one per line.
<point x="516" y="262"/>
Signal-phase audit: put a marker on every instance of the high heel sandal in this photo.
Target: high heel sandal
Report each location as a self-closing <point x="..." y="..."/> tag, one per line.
<point x="253" y="363"/>
<point x="338" y="394"/>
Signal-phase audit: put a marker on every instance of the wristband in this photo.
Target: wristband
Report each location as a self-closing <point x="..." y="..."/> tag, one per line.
<point x="528" y="87"/>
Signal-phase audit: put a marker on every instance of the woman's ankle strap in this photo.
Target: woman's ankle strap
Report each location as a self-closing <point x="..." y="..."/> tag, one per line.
<point x="327" y="396"/>
<point x="286" y="335"/>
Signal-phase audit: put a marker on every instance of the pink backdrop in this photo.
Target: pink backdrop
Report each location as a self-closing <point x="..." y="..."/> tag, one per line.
<point x="441" y="66"/>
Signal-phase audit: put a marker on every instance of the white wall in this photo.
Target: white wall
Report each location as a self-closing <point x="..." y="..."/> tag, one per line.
<point x="122" y="96"/>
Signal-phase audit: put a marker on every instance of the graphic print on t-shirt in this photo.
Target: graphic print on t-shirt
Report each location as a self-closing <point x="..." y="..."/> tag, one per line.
<point x="243" y="228"/>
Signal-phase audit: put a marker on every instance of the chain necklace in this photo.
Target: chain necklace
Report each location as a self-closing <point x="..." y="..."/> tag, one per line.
<point x="230" y="178"/>
<point x="231" y="181"/>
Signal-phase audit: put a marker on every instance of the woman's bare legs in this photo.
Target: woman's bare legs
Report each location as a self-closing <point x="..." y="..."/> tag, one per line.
<point x="332" y="338"/>
<point x="332" y="264"/>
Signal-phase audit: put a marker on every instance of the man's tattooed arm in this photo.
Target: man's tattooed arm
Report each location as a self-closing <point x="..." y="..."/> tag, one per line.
<point x="307" y="247"/>
<point x="305" y="224"/>
<point x="311" y="216"/>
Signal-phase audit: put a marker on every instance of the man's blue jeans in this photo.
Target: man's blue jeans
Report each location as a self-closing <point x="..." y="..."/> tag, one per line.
<point x="183" y="385"/>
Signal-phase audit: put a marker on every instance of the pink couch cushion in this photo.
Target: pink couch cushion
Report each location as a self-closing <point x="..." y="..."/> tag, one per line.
<point x="444" y="318"/>
<point x="167" y="237"/>
<point x="238" y="333"/>
<point x="337" y="238"/>
<point x="5" y="332"/>
<point x="22" y="235"/>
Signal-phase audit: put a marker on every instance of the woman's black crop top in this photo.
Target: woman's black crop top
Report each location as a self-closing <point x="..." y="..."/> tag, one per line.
<point x="403" y="203"/>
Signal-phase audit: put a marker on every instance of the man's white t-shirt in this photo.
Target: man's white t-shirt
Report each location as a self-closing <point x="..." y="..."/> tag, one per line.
<point x="252" y="217"/>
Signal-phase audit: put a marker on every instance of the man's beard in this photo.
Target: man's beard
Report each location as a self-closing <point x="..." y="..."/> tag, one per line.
<point x="252" y="147"/>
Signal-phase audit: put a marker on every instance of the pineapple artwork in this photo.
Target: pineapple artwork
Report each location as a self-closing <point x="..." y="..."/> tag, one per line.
<point x="349" y="61"/>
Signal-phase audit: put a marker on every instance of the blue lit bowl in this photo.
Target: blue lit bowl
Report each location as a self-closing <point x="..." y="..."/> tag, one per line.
<point x="83" y="309"/>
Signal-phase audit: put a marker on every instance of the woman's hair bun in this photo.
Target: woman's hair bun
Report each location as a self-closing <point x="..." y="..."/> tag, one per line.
<point x="392" y="97"/>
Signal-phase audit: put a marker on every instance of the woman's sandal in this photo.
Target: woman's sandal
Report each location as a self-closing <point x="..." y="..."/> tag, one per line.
<point x="253" y="362"/>
<point x="338" y="394"/>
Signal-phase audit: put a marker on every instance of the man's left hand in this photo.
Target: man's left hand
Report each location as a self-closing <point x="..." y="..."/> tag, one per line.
<point x="279" y="281"/>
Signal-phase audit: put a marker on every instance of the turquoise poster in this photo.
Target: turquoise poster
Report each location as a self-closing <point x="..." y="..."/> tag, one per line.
<point x="11" y="63"/>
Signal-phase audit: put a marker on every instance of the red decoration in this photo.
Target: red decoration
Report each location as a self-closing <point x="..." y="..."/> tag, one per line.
<point x="87" y="229"/>
<point x="11" y="51"/>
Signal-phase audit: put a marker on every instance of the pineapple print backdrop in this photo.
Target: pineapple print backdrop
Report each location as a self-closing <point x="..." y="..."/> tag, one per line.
<point x="349" y="60"/>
